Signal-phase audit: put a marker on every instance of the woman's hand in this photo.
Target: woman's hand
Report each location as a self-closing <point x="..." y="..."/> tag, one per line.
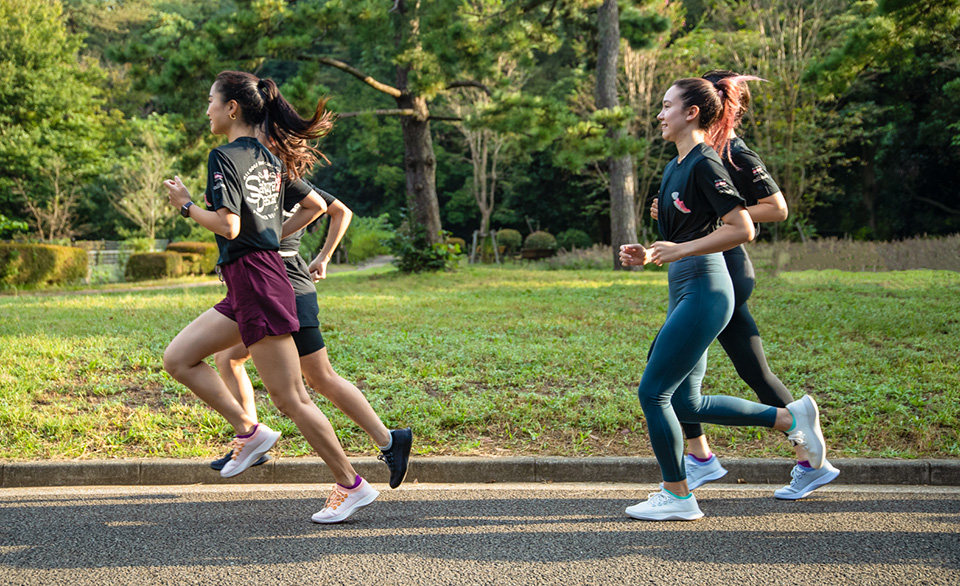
<point x="653" y="208"/>
<point x="178" y="194"/>
<point x="318" y="269"/>
<point x="633" y="255"/>
<point x="663" y="252"/>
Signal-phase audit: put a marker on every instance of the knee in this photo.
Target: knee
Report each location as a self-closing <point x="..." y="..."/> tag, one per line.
<point x="292" y="406"/>
<point x="172" y="362"/>
<point x="228" y="361"/>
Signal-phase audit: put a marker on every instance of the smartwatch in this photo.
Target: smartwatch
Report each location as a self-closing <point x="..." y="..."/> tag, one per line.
<point x="185" y="210"/>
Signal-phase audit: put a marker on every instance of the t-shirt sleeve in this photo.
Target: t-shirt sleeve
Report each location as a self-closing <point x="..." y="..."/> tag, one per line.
<point x="223" y="189"/>
<point x="717" y="186"/>
<point x="753" y="173"/>
<point x="294" y="193"/>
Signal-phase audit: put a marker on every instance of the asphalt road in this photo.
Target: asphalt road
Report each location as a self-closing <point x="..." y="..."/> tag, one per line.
<point x="501" y="534"/>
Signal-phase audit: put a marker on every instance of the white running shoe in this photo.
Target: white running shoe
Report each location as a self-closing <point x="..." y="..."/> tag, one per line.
<point x="700" y="473"/>
<point x="806" y="430"/>
<point x="248" y="450"/>
<point x="664" y="506"/>
<point x="344" y="502"/>
<point x="806" y="480"/>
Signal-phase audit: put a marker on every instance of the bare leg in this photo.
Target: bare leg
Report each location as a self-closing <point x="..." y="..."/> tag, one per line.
<point x="230" y="363"/>
<point x="699" y="447"/>
<point x="183" y="359"/>
<point x="276" y="360"/>
<point x="343" y="394"/>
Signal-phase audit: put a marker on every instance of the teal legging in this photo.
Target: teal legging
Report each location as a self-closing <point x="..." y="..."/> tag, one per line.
<point x="701" y="303"/>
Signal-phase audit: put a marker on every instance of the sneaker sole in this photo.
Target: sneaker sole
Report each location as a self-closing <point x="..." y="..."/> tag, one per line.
<point x="691" y="516"/>
<point x="708" y="478"/>
<point x="346" y="514"/>
<point x="215" y="465"/>
<point x="406" y="456"/>
<point x="263" y="449"/>
<point x="817" y="458"/>
<point x="826" y="479"/>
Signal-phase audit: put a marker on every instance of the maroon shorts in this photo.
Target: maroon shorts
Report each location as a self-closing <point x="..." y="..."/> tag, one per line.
<point x="259" y="296"/>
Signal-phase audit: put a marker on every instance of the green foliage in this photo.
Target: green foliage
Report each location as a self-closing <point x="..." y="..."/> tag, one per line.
<point x="574" y="238"/>
<point x="510" y="239"/>
<point x="415" y="254"/>
<point x="40" y="264"/>
<point x="9" y="227"/>
<point x="154" y="265"/>
<point x="139" y="244"/>
<point x="367" y="237"/>
<point x="204" y="256"/>
<point x="540" y="240"/>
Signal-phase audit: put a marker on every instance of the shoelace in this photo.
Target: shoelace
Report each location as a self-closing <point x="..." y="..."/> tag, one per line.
<point x="797" y="473"/>
<point x="798" y="438"/>
<point x="386" y="457"/>
<point x="657" y="499"/>
<point x="335" y="499"/>
<point x="237" y="446"/>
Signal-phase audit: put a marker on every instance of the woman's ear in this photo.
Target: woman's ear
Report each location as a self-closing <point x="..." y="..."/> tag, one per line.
<point x="233" y="109"/>
<point x="692" y="113"/>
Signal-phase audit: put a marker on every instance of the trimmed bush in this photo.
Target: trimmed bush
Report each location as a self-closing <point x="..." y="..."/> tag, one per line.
<point x="573" y="238"/>
<point x="510" y="240"/>
<point x="154" y="265"/>
<point x="41" y="264"/>
<point x="459" y="242"/>
<point x="208" y="255"/>
<point x="540" y="240"/>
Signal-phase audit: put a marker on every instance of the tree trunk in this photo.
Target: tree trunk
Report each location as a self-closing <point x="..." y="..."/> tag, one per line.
<point x="420" y="167"/>
<point x="623" y="184"/>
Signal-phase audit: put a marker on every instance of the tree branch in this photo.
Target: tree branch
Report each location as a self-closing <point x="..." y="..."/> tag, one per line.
<point x="356" y="73"/>
<point x="937" y="204"/>
<point x="470" y="83"/>
<point x="396" y="112"/>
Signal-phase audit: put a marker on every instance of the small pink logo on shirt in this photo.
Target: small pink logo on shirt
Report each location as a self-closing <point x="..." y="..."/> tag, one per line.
<point x="678" y="203"/>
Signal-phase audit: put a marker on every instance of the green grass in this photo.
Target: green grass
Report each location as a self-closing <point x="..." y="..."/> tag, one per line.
<point x="494" y="361"/>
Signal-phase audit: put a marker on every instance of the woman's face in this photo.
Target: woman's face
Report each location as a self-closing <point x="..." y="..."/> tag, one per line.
<point x="218" y="112"/>
<point x="675" y="119"/>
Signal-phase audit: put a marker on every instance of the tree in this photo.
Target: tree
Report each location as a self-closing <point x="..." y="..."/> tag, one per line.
<point x="144" y="200"/>
<point x="52" y="116"/>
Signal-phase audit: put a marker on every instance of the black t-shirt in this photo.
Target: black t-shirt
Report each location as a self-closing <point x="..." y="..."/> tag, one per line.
<point x="296" y="192"/>
<point x="694" y="194"/>
<point x="749" y="174"/>
<point x="248" y="180"/>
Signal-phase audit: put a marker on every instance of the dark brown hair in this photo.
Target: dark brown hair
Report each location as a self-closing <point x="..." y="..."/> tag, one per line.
<point x="261" y="104"/>
<point x="719" y="104"/>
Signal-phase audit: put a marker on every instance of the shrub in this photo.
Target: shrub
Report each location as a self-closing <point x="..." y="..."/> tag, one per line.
<point x="368" y="237"/>
<point x="41" y="264"/>
<point x="142" y="244"/>
<point x="510" y="240"/>
<point x="540" y="240"/>
<point x="206" y="254"/>
<point x="154" y="265"/>
<point x="415" y="255"/>
<point x="574" y="238"/>
<point x="460" y="243"/>
<point x="9" y="227"/>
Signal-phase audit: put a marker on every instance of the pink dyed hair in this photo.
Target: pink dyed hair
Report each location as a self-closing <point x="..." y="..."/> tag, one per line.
<point x="729" y="91"/>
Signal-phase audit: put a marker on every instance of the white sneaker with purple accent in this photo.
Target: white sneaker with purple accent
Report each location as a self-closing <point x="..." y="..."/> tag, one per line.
<point x="247" y="450"/>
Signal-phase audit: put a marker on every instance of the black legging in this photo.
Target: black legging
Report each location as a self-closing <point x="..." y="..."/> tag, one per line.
<point x="741" y="341"/>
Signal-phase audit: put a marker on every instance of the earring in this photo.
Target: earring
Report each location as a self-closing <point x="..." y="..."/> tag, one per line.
<point x="233" y="116"/>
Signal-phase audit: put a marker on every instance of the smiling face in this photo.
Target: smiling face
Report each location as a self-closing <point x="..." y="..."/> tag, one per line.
<point x="675" y="119"/>
<point x="219" y="112"/>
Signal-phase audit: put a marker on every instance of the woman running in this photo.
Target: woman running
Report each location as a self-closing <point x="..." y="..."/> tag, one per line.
<point x="741" y="338"/>
<point x="245" y="197"/>
<point x="314" y="361"/>
<point x="695" y="193"/>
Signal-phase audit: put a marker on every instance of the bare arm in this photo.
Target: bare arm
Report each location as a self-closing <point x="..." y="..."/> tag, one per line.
<point x="311" y="208"/>
<point x="737" y="228"/>
<point x="222" y="222"/>
<point x="340" y="216"/>
<point x="772" y="208"/>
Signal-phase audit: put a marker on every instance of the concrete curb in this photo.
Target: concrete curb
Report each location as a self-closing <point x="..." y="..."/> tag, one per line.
<point x="149" y="472"/>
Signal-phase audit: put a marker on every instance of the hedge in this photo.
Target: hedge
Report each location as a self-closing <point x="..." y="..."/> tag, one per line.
<point x="41" y="264"/>
<point x="207" y="252"/>
<point x="154" y="265"/>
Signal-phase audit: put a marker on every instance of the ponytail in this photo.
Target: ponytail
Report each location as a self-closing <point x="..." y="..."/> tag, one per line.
<point x="735" y="98"/>
<point x="261" y="104"/>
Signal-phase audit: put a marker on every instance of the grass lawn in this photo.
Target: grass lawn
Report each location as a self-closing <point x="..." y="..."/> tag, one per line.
<point x="494" y="361"/>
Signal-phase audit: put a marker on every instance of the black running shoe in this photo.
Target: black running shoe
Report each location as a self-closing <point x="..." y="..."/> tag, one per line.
<point x="398" y="455"/>
<point x="219" y="464"/>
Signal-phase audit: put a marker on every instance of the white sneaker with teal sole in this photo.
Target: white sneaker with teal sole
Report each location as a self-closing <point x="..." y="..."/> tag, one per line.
<point x="700" y="473"/>
<point x="665" y="506"/>
<point x="806" y="480"/>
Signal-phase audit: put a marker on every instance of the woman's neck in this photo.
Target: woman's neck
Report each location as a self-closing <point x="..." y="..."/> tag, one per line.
<point x="239" y="131"/>
<point x="688" y="142"/>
